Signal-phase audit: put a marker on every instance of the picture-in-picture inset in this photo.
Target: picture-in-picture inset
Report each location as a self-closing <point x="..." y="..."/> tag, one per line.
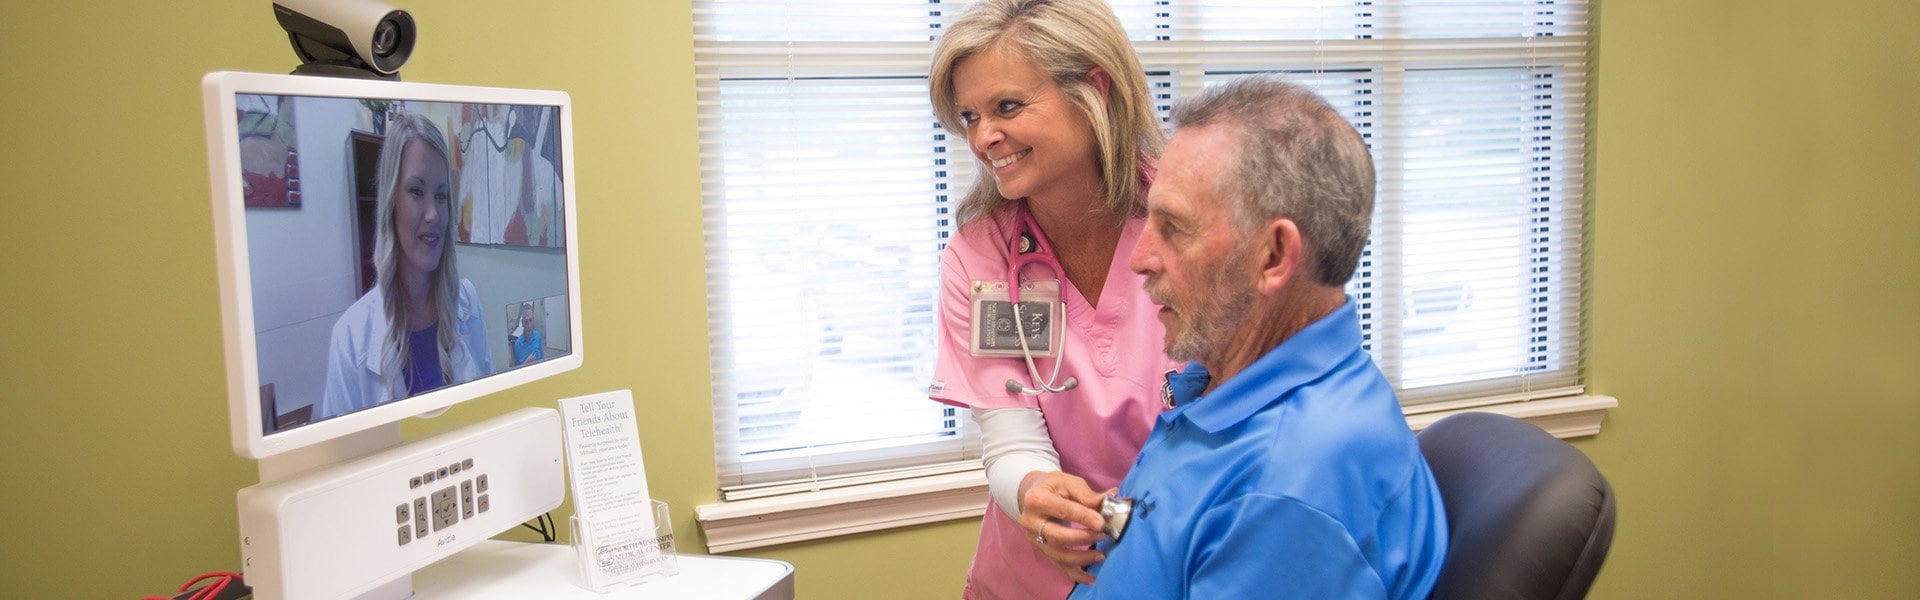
<point x="529" y="338"/>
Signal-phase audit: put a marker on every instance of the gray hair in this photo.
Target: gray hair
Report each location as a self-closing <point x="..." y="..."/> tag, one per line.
<point x="1296" y="158"/>
<point x="404" y="127"/>
<point x="1067" y="39"/>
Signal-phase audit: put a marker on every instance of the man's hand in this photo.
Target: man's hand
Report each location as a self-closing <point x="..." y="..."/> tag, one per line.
<point x="1052" y="503"/>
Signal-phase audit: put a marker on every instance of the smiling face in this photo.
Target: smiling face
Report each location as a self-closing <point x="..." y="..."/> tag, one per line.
<point x="1196" y="269"/>
<point x="421" y="204"/>
<point x="1022" y="128"/>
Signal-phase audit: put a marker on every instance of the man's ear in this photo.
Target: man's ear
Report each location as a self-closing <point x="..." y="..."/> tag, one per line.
<point x="1101" y="80"/>
<point x="1281" y="253"/>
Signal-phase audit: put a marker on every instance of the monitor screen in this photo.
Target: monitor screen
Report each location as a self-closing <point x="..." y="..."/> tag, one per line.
<point x="386" y="249"/>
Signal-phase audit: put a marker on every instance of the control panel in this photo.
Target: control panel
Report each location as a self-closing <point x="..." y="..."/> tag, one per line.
<point x="346" y="529"/>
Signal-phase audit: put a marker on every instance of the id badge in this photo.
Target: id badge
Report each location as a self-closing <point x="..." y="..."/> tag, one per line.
<point x="994" y="333"/>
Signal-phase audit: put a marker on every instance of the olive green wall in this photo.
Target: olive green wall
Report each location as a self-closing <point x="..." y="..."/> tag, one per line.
<point x="1755" y="292"/>
<point x="1754" y="297"/>
<point x="115" y="449"/>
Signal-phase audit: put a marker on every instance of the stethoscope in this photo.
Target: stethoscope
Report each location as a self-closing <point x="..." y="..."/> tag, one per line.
<point x="1030" y="248"/>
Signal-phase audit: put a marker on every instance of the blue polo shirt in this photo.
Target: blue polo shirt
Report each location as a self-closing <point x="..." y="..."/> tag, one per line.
<point x="1298" y="478"/>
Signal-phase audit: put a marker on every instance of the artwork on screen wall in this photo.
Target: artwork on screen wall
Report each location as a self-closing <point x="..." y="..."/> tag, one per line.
<point x="507" y="158"/>
<point x="269" y="160"/>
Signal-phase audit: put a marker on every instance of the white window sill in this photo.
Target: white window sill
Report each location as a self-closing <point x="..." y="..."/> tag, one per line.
<point x="760" y="522"/>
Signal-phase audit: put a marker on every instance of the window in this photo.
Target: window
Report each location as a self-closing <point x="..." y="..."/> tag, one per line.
<point x="828" y="185"/>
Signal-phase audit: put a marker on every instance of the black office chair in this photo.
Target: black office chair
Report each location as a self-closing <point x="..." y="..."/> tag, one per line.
<point x="1528" y="515"/>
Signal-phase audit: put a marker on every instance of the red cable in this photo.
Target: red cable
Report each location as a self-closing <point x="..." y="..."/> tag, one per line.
<point x="211" y="591"/>
<point x="206" y="593"/>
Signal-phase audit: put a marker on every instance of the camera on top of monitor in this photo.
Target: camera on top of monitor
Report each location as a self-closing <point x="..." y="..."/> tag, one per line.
<point x="347" y="38"/>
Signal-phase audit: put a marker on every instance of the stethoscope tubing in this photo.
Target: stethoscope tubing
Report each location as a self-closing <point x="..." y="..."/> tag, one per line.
<point x="1028" y="248"/>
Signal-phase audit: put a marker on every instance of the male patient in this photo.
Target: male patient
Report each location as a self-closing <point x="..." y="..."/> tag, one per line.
<point x="1285" y="468"/>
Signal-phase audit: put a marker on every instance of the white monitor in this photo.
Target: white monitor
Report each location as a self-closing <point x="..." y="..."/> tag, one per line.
<point x="358" y="290"/>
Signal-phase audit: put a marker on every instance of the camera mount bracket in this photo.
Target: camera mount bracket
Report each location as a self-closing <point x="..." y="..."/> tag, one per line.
<point x="327" y="62"/>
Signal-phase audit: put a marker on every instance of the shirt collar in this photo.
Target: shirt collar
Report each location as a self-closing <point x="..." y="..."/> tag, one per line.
<point x="1185" y="385"/>
<point x="1302" y="359"/>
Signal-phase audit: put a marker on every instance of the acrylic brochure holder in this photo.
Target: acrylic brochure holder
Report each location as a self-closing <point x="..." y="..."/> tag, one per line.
<point x="611" y="561"/>
<point x="621" y="536"/>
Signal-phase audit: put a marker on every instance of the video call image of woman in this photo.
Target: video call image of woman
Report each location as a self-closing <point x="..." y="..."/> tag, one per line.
<point x="420" y="327"/>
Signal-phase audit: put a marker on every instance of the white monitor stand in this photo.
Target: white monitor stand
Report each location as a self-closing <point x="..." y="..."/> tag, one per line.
<point x="318" y="527"/>
<point x="501" y="570"/>
<point x="306" y="530"/>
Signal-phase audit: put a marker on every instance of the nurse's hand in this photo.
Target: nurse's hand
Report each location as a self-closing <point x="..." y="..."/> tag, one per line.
<point x="1061" y="514"/>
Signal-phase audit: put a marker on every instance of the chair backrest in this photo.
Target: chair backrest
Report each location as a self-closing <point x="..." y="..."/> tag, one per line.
<point x="1528" y="516"/>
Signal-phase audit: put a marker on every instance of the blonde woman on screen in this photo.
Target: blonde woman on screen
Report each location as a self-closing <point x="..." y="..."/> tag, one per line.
<point x="420" y="327"/>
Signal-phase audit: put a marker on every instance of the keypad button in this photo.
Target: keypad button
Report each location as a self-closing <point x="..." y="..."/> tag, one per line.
<point x="466" y="499"/>
<point x="446" y="508"/>
<point x="420" y="517"/>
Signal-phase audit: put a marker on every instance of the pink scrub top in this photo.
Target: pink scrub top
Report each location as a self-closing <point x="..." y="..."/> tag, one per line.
<point x="1117" y="354"/>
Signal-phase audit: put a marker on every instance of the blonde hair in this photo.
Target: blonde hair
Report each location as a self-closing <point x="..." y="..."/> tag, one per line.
<point x="1067" y="39"/>
<point x="404" y="127"/>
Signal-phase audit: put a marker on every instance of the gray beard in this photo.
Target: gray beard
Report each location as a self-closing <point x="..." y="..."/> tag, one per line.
<point x="1206" y="329"/>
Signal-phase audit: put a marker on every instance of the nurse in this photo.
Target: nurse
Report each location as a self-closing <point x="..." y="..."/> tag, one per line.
<point x="1053" y="104"/>
<point x="419" y="327"/>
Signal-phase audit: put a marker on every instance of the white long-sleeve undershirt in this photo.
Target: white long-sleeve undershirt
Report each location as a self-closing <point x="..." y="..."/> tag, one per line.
<point x="1013" y="443"/>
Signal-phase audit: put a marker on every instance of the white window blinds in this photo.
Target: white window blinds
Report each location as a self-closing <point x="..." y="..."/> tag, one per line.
<point x="827" y="187"/>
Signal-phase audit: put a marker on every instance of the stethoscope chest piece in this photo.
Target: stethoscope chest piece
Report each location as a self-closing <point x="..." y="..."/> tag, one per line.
<point x="1116" y="511"/>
